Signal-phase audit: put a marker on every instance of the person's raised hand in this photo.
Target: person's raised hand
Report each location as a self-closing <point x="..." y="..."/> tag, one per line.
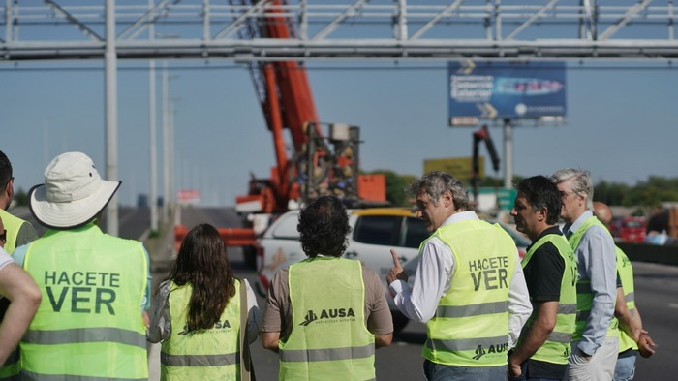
<point x="397" y="271"/>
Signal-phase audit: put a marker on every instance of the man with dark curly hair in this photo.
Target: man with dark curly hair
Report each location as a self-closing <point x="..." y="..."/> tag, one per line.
<point x="325" y="315"/>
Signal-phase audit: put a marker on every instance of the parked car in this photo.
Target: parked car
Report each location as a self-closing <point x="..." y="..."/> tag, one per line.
<point x="375" y="231"/>
<point x="629" y="229"/>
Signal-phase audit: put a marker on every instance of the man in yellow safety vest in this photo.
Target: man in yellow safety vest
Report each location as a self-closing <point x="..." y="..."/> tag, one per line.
<point x="595" y="342"/>
<point x="543" y="349"/>
<point x="469" y="287"/>
<point x="632" y="338"/>
<point x="326" y="314"/>
<point x="94" y="286"/>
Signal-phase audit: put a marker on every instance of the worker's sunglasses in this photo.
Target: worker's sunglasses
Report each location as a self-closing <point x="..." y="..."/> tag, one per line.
<point x="3" y="236"/>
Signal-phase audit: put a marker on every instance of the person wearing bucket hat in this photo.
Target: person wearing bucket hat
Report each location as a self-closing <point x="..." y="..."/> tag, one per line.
<point x="92" y="284"/>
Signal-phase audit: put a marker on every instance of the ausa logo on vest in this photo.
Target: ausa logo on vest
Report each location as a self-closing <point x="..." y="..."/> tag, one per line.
<point x="331" y="315"/>
<point x="223" y="326"/>
<point x="498" y="348"/>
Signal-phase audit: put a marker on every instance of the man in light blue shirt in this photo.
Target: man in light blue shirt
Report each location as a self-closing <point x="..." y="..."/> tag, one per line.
<point x="596" y="338"/>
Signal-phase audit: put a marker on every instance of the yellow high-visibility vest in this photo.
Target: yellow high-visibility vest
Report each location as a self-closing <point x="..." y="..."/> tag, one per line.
<point x="556" y="348"/>
<point x="207" y="354"/>
<point x="89" y="322"/>
<point x="12" y="224"/>
<point x="625" y="271"/>
<point x="329" y="339"/>
<point x="584" y="292"/>
<point x="470" y="326"/>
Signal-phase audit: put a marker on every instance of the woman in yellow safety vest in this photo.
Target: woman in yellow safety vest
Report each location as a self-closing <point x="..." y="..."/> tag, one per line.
<point x="198" y="312"/>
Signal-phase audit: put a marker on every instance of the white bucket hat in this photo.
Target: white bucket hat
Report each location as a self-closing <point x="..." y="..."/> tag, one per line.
<point x="73" y="192"/>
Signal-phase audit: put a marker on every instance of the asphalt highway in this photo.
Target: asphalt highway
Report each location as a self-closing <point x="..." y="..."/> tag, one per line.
<point x="656" y="295"/>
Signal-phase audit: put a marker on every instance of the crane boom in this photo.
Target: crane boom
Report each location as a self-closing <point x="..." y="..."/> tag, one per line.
<point x="320" y="163"/>
<point x="482" y="135"/>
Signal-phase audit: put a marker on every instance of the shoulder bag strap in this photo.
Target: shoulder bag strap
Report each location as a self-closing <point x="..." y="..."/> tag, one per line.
<point x="245" y="360"/>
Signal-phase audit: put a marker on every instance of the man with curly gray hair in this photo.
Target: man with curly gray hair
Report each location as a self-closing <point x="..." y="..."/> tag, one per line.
<point x="595" y="341"/>
<point x="469" y="289"/>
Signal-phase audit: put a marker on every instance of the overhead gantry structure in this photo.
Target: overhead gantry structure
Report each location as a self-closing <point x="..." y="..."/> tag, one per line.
<point x="330" y="30"/>
<point x="336" y="29"/>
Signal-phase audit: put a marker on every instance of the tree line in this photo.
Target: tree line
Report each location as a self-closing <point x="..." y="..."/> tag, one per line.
<point x="643" y="195"/>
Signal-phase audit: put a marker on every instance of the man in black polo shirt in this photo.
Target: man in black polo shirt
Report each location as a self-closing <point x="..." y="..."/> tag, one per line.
<point x="543" y="349"/>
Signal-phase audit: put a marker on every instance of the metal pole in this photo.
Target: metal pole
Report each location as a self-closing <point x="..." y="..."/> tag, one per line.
<point x="165" y="140"/>
<point x="111" y="115"/>
<point x="170" y="197"/>
<point x="9" y="22"/>
<point x="508" y="154"/>
<point x="153" y="154"/>
<point x="153" y="162"/>
<point x="671" y="34"/>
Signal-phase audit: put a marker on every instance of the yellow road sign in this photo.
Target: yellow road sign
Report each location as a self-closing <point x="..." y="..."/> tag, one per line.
<point x="459" y="167"/>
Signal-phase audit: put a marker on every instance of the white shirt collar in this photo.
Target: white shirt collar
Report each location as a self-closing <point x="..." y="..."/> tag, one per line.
<point x="461" y="216"/>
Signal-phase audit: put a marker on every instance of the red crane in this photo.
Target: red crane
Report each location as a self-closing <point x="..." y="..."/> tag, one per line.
<point x="318" y="164"/>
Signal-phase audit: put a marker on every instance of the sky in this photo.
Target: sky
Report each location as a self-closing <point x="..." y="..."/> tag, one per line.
<point x="622" y="122"/>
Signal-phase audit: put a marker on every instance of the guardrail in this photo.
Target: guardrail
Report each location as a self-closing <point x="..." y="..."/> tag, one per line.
<point x="666" y="254"/>
<point x="231" y="236"/>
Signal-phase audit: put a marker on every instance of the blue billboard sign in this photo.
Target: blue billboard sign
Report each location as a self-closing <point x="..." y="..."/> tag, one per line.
<point x="505" y="90"/>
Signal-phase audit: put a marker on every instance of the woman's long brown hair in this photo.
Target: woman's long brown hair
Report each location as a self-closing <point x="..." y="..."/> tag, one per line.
<point x="202" y="262"/>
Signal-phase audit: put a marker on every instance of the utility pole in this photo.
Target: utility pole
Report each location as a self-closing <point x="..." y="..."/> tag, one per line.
<point x="153" y="165"/>
<point x="111" y="115"/>
<point x="166" y="141"/>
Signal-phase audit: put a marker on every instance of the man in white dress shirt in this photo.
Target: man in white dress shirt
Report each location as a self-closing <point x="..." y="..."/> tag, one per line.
<point x="469" y="288"/>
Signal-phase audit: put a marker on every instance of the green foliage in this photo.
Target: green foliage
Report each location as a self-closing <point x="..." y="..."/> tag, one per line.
<point x="20" y="197"/>
<point x="647" y="194"/>
<point x="395" y="187"/>
<point x="643" y="195"/>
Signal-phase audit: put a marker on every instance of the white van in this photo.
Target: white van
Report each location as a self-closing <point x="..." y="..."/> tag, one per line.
<point x="375" y="232"/>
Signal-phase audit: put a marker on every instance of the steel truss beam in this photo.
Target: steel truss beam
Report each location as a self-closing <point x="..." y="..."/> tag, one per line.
<point x="350" y="29"/>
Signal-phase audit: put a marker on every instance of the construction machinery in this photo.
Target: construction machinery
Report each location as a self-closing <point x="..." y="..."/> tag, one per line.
<point x="482" y="135"/>
<point x="323" y="158"/>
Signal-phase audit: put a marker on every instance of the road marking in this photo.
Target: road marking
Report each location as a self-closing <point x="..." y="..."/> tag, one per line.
<point x="673" y="305"/>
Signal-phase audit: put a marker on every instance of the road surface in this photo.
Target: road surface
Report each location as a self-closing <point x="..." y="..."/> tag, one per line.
<point x="656" y="294"/>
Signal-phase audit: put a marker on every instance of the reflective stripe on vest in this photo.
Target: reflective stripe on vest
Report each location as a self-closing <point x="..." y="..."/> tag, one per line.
<point x="12" y="224"/>
<point x="459" y="345"/>
<point x="625" y="271"/>
<point x="329" y="338"/>
<point x="584" y="292"/>
<point x="92" y="289"/>
<point x="328" y="354"/>
<point x="556" y="348"/>
<point x="206" y="354"/>
<point x="31" y="376"/>
<point x="225" y="359"/>
<point x="470" y="327"/>
<point x="471" y="310"/>
<point x="85" y="335"/>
